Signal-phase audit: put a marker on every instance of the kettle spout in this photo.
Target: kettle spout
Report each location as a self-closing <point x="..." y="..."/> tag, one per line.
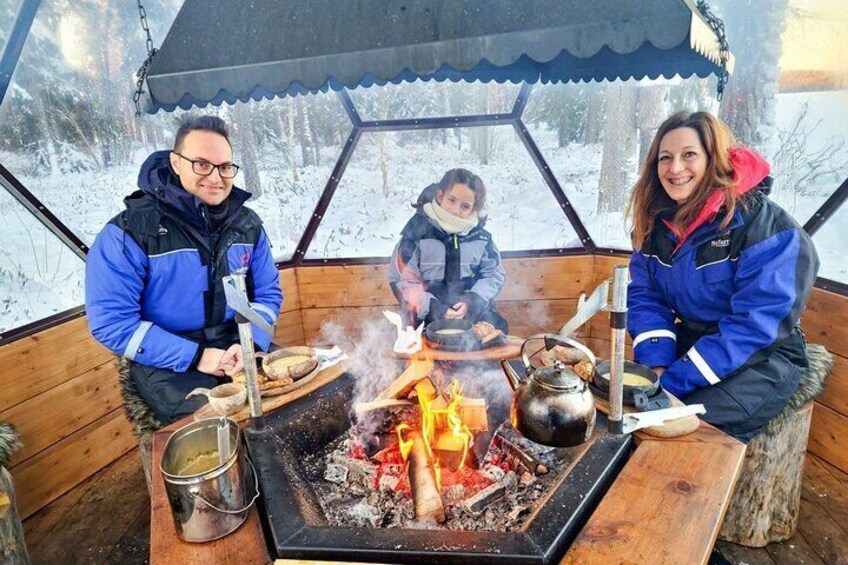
<point x="511" y="375"/>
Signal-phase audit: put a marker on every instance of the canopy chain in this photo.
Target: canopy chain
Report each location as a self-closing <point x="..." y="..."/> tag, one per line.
<point x="145" y="66"/>
<point x="717" y="26"/>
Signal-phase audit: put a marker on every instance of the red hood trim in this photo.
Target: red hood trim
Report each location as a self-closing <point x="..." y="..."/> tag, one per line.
<point x="749" y="170"/>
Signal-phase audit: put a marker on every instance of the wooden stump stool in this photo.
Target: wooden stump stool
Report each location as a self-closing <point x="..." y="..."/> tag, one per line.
<point x="141" y="416"/>
<point x="12" y="547"/>
<point x="765" y="505"/>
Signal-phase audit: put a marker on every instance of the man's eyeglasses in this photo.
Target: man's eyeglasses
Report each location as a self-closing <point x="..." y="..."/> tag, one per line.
<point x="204" y="168"/>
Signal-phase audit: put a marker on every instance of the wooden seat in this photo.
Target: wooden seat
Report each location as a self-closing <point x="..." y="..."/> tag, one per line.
<point x="767" y="499"/>
<point x="140" y="415"/>
<point x="12" y="546"/>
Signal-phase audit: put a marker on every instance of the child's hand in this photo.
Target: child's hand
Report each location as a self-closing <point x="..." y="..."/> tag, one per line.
<point x="459" y="310"/>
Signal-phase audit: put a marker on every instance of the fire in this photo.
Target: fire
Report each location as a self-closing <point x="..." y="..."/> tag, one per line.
<point x="442" y="427"/>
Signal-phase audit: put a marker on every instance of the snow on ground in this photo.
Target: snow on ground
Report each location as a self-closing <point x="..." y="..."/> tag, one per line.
<point x="39" y="276"/>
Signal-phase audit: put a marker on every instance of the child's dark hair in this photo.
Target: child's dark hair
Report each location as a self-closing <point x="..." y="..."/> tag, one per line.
<point x="450" y="178"/>
<point x="190" y="123"/>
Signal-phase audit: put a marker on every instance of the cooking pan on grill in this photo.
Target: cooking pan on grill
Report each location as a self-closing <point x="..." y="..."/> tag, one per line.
<point x="452" y="335"/>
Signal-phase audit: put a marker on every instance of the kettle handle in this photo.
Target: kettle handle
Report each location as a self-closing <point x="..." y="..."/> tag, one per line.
<point x="557" y="339"/>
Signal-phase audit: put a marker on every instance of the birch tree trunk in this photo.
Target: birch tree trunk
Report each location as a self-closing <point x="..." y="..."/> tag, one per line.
<point x="620" y="145"/>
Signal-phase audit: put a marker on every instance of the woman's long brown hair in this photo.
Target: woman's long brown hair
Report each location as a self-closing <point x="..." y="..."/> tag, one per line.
<point x="649" y="197"/>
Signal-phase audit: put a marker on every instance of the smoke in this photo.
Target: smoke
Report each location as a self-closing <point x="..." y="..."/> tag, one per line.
<point x="370" y="357"/>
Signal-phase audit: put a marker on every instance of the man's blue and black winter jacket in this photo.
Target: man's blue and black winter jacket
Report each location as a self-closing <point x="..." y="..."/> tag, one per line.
<point x="747" y="282"/>
<point x="153" y="275"/>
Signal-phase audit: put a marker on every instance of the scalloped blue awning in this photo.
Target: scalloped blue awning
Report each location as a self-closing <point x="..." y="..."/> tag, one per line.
<point x="227" y="50"/>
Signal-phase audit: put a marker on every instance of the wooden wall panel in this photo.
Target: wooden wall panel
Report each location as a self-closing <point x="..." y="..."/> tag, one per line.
<point x="829" y="436"/>
<point x="41" y="479"/>
<point x="57" y="413"/>
<point x="835" y="394"/>
<point x="546" y="278"/>
<point x="289" y="330"/>
<point x="42" y="361"/>
<point x="823" y="321"/>
<point x="291" y="293"/>
<point x="344" y="286"/>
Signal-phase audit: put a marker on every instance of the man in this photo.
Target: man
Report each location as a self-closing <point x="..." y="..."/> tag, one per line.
<point x="153" y="287"/>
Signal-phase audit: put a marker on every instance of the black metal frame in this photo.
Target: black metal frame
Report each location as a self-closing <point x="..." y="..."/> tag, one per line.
<point x="828" y="209"/>
<point x="476" y="120"/>
<point x="17" y="37"/>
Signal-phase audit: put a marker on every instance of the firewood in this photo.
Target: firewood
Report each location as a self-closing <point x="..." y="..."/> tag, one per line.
<point x="405" y="383"/>
<point x="473" y="414"/>
<point x="380" y="404"/>
<point x="425" y="494"/>
<point x="450" y="449"/>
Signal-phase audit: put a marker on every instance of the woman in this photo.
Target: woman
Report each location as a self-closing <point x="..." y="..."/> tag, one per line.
<point x="719" y="275"/>
<point x="446" y="266"/>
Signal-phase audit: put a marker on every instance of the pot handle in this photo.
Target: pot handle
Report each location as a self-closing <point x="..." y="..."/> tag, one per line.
<point x="561" y="340"/>
<point x="195" y="492"/>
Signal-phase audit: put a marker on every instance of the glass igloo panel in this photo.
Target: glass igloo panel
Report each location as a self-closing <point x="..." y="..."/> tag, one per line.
<point x="830" y="244"/>
<point x="388" y="171"/>
<point x="594" y="137"/>
<point x="287" y="149"/>
<point x="429" y="99"/>
<point x="67" y="125"/>
<point x="809" y="145"/>
<point x="8" y="10"/>
<point x="39" y="275"/>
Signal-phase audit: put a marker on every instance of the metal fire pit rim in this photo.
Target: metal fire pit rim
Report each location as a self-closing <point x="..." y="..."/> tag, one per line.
<point x="537" y="543"/>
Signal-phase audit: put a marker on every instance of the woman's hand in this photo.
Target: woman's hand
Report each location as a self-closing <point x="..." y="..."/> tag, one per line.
<point x="457" y="311"/>
<point x="659" y="370"/>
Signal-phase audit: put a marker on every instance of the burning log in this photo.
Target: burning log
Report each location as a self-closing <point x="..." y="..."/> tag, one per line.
<point x="380" y="404"/>
<point x="451" y="450"/>
<point x="425" y="494"/>
<point x="401" y="387"/>
<point x="473" y="414"/>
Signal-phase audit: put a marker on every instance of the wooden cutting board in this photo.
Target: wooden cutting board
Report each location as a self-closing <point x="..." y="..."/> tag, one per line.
<point x="270" y="403"/>
<point x="672" y="428"/>
<point x="511" y="349"/>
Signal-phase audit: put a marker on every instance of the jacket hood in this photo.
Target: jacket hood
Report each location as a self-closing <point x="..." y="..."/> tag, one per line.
<point x="158" y="180"/>
<point x="750" y="169"/>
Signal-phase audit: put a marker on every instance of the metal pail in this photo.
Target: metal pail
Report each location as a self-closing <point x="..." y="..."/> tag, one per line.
<point x="207" y="496"/>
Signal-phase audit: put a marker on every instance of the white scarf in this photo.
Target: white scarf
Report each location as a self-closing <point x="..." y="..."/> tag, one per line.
<point x="447" y="221"/>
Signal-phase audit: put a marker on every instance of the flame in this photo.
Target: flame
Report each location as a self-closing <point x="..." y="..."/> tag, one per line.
<point x="405" y="445"/>
<point x="457" y="426"/>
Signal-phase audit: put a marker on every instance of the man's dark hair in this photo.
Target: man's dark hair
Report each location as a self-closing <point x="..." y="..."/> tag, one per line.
<point x="189" y="124"/>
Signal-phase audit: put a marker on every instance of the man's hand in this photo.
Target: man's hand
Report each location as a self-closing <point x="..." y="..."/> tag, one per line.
<point x="233" y="360"/>
<point x="210" y="361"/>
<point x="659" y="370"/>
<point x="459" y="310"/>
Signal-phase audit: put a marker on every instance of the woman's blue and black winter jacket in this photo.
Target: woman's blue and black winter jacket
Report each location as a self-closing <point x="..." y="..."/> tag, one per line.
<point x="749" y="282"/>
<point x="154" y="273"/>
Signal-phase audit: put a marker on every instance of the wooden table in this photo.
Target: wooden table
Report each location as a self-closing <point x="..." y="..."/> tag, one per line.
<point x="666" y="506"/>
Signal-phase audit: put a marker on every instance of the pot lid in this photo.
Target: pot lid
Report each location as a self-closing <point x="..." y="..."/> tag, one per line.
<point x="558" y="377"/>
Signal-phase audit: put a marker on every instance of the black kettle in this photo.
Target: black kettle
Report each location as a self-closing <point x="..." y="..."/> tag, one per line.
<point x="552" y="405"/>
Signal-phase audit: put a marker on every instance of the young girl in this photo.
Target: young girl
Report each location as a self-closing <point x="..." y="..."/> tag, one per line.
<point x="720" y="275"/>
<point x="446" y="265"/>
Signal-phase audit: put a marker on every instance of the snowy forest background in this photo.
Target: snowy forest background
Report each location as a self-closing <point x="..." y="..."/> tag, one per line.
<point x="69" y="134"/>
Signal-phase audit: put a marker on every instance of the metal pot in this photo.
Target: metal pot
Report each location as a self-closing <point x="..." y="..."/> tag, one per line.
<point x="209" y="501"/>
<point x="551" y="405"/>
